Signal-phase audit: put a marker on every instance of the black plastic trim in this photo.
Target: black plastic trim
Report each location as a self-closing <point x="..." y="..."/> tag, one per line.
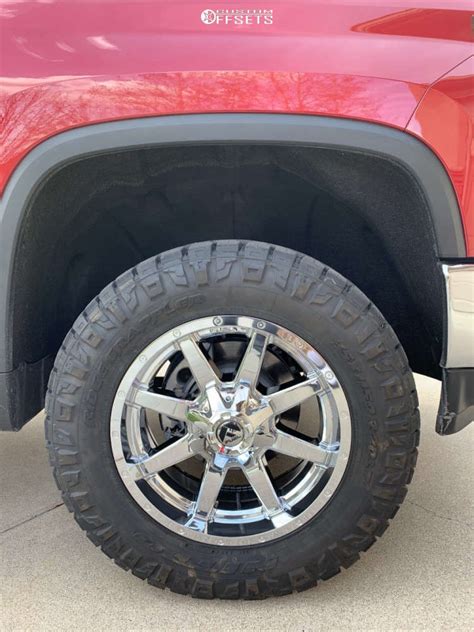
<point x="289" y="129"/>
<point x="456" y="408"/>
<point x="22" y="393"/>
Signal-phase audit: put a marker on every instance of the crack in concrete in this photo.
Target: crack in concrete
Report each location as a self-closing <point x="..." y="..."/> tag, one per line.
<point x="37" y="515"/>
<point x="433" y="513"/>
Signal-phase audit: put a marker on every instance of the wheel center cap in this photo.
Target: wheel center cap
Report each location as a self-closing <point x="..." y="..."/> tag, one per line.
<point x="230" y="433"/>
<point x="228" y="417"/>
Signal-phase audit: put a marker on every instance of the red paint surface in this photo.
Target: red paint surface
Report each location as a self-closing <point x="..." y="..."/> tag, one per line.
<point x="445" y="120"/>
<point x="69" y="63"/>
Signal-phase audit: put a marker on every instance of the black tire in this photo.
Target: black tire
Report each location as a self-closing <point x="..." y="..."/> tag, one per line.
<point x="266" y="281"/>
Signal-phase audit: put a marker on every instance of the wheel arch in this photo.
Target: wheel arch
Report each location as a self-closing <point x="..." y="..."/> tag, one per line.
<point x="42" y="163"/>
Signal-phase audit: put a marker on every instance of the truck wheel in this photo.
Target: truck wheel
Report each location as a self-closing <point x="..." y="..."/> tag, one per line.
<point x="233" y="420"/>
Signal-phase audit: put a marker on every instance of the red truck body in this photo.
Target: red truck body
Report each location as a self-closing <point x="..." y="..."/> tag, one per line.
<point x="229" y="234"/>
<point x="401" y="64"/>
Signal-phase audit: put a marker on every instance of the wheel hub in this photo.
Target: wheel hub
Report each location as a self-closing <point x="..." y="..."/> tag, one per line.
<point x="231" y="419"/>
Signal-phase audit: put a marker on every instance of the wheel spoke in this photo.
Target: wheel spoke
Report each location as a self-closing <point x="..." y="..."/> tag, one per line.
<point x="198" y="363"/>
<point x="212" y="481"/>
<point x="287" y="398"/>
<point x="173" y="454"/>
<point x="251" y="364"/>
<point x="164" y="404"/>
<point x="301" y="449"/>
<point x="258" y="478"/>
<point x="132" y="426"/>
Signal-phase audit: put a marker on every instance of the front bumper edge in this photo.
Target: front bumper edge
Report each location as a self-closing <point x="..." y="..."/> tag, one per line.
<point x="456" y="408"/>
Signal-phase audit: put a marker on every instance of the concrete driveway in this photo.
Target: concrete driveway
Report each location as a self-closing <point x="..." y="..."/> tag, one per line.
<point x="417" y="577"/>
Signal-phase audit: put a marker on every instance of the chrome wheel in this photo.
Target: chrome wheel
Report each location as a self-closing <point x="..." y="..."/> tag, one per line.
<point x="230" y="430"/>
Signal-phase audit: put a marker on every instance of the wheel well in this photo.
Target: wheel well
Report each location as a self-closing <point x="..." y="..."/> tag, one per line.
<point x="92" y="219"/>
